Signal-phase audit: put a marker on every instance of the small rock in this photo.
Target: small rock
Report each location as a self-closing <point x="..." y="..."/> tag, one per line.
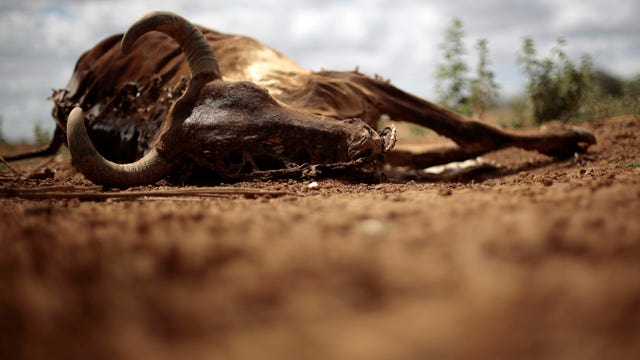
<point x="372" y="227"/>
<point x="445" y="192"/>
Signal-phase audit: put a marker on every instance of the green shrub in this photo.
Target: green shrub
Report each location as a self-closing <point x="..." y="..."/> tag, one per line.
<point x="612" y="97"/>
<point x="557" y="89"/>
<point x="483" y="88"/>
<point x="469" y="96"/>
<point x="451" y="76"/>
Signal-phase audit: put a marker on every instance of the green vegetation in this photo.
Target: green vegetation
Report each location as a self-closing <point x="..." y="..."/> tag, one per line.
<point x="631" y="164"/>
<point x="451" y="75"/>
<point x="3" y="141"/>
<point x="457" y="91"/>
<point x="612" y="97"/>
<point x="41" y="136"/>
<point x="556" y="89"/>
<point x="484" y="90"/>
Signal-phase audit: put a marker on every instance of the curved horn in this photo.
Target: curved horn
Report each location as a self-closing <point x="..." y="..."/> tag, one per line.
<point x="151" y="168"/>
<point x="197" y="50"/>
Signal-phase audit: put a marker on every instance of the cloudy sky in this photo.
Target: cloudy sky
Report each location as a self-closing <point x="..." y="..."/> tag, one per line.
<point x="40" y="40"/>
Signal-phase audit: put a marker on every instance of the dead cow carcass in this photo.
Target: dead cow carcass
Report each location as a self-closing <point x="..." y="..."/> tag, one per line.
<point x="227" y="105"/>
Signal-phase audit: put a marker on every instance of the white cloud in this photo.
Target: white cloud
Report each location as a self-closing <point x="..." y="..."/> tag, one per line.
<point x="40" y="40"/>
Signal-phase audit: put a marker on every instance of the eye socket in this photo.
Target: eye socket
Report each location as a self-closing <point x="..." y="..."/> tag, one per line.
<point x="365" y="154"/>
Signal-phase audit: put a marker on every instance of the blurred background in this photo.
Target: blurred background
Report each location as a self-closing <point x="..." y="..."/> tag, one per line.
<point x="402" y="40"/>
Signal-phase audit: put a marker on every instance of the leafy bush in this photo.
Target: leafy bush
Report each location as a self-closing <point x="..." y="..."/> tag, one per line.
<point x="484" y="90"/>
<point x="451" y="75"/>
<point x="612" y="97"/>
<point x="469" y="96"/>
<point x="557" y="89"/>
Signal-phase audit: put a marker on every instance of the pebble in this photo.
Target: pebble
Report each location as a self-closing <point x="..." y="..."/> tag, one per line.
<point x="372" y="227"/>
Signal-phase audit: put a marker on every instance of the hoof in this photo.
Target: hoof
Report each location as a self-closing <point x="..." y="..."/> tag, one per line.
<point x="389" y="137"/>
<point x="585" y="135"/>
<point x="563" y="141"/>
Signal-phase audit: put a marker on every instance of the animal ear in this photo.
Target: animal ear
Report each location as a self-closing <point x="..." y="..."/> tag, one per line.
<point x="389" y="136"/>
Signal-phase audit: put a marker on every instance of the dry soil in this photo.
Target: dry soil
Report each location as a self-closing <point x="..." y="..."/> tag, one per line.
<point x="539" y="260"/>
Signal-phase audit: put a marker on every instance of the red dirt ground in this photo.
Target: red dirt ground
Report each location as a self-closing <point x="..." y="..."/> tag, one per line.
<point x="540" y="260"/>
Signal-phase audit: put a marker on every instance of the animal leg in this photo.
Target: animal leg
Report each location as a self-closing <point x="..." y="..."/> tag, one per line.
<point x="473" y="137"/>
<point x="559" y="142"/>
<point x="49" y="149"/>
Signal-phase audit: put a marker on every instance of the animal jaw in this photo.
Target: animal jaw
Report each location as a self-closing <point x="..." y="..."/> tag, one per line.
<point x="239" y="131"/>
